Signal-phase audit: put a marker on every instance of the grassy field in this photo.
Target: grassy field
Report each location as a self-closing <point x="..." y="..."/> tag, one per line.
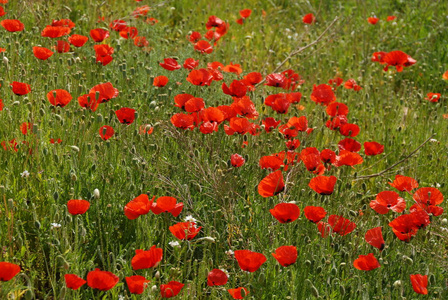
<point x="38" y="178"/>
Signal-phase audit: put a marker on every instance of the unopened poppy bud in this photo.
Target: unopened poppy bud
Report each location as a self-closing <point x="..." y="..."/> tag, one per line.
<point x="96" y="193"/>
<point x="154" y="288"/>
<point x="408" y="259"/>
<point x="74" y="177"/>
<point x="75" y="148"/>
<point x="397" y="284"/>
<point x="157" y="275"/>
<point x="444" y="221"/>
<point x="16" y="103"/>
<point x="5" y="60"/>
<point x="207" y="239"/>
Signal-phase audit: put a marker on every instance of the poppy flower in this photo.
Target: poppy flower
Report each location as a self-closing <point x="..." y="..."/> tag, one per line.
<point x="170" y="64"/>
<point x="373" y="148"/>
<point x="78" y="207"/>
<point x="285" y="212"/>
<point x="160" y="81"/>
<point x="404" y="183"/>
<point x="314" y="213"/>
<point x="138" y="206"/>
<point x="2" y="11"/>
<point x="285" y="255"/>
<point x="276" y="80"/>
<point x="200" y="77"/>
<point x="183" y="121"/>
<point x="20" y="88"/>
<point x="323" y="94"/>
<point x="25" y="128"/>
<point x="237" y="160"/>
<point x="398" y="59"/>
<point x="53" y="141"/>
<point x="271" y="185"/>
<point x="445" y="75"/>
<point x="168" y="205"/>
<point x="292" y="144"/>
<point x="373" y="20"/>
<point x="217" y="277"/>
<point x="181" y="99"/>
<point x="237" y="89"/>
<point x="106" y="92"/>
<point x="233" y="68"/>
<point x="249" y="261"/>
<point x="42" y="53"/>
<point x="194" y="37"/>
<point x="103" y="54"/>
<point x="428" y="196"/>
<point x="136" y="284"/>
<point x="62" y="47"/>
<point x="309" y="19"/>
<point x="77" y="40"/>
<point x="348" y="129"/>
<point x="190" y="63"/>
<point x="406" y="226"/>
<point x="324" y="229"/>
<point x="204" y="47"/>
<point x="245" y="13"/>
<point x="335" y="82"/>
<point x="101" y="280"/>
<point x="12" y="25"/>
<point x="238" y="293"/>
<point x="99" y="34"/>
<point x="1" y="105"/>
<point x="270" y="123"/>
<point x="73" y="281"/>
<point x="63" y="22"/>
<point x="59" y="97"/>
<point x="129" y="32"/>
<point x="323" y="185"/>
<point x="366" y="262"/>
<point x="337" y="109"/>
<point x="8" y="270"/>
<point x="125" y="115"/>
<point x="433" y="97"/>
<point x="388" y="200"/>
<point x="278" y="102"/>
<point x="328" y="156"/>
<point x="419" y="283"/>
<point x="89" y="101"/>
<point x="351" y="84"/>
<point x="170" y="289"/>
<point x="106" y="132"/>
<point x="185" y="230"/>
<point x="55" y="31"/>
<point x="375" y="238"/>
<point x="147" y="259"/>
<point x="251" y="79"/>
<point x="390" y="18"/>
<point x="341" y="225"/>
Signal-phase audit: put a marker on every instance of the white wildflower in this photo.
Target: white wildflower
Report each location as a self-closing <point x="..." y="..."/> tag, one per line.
<point x="174" y="244"/>
<point x="190" y="218"/>
<point x="25" y="174"/>
<point x="55" y="225"/>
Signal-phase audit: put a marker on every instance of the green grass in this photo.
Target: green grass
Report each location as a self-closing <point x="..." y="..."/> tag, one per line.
<point x="195" y="168"/>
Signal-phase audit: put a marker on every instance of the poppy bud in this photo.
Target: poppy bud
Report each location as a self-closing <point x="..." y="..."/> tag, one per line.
<point x="157" y="275"/>
<point x="37" y="224"/>
<point x="397" y="284"/>
<point x="444" y="221"/>
<point x="408" y="259"/>
<point x="154" y="288"/>
<point x="74" y="148"/>
<point x="55" y="196"/>
<point x="5" y="60"/>
<point x="96" y="194"/>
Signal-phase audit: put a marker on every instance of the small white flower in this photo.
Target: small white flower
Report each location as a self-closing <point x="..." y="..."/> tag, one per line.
<point x="121" y="297"/>
<point x="25" y="174"/>
<point x="190" y="219"/>
<point x="174" y="244"/>
<point x="229" y="252"/>
<point x="433" y="140"/>
<point x="55" y="225"/>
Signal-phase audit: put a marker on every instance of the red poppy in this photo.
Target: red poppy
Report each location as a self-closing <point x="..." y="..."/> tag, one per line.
<point x="170" y="289"/>
<point x="314" y="213"/>
<point x="335" y="82"/>
<point x="138" y="206"/>
<point x="285" y="212"/>
<point x="2" y="11"/>
<point x="379" y="57"/>
<point x="406" y="226"/>
<point x="183" y="121"/>
<point x="238" y="293"/>
<point x="366" y="262"/>
<point x="20" y="88"/>
<point x="168" y="205"/>
<point x="53" y="141"/>
<point x="278" y="102"/>
<point x="147" y="259"/>
<point x="390" y="18"/>
<point x="404" y="183"/>
<point x="373" y="148"/>
<point x="140" y="41"/>
<point x="388" y="200"/>
<point x="428" y="196"/>
<point x="237" y="89"/>
<point x="349" y="129"/>
<point x="347" y="158"/>
<point x="336" y="122"/>
<point x="55" y="31"/>
<point x="99" y="34"/>
<point x="237" y="160"/>
<point x="181" y="99"/>
<point x="42" y="53"/>
<point x="323" y="185"/>
<point x="200" y="77"/>
<point x="420" y="283"/>
<point x="309" y="19"/>
<point x="351" y="84"/>
<point x="217" y="277"/>
<point x="276" y="80"/>
<point x="203" y="47"/>
<point x="63" y="22"/>
<point x="106" y="132"/>
<point x="375" y="238"/>
<point x="349" y="144"/>
<point x="328" y="156"/>
<point x="78" y="207"/>
<point x="337" y="109"/>
<point x="271" y="185"/>
<point x="125" y="115"/>
<point x="245" y="13"/>
<point x="25" y="127"/>
<point x="292" y="144"/>
<point x="12" y="25"/>
<point x="249" y="261"/>
<point x="78" y="40"/>
<point x="185" y="230"/>
<point x="140" y="11"/>
<point x="89" y="101"/>
<point x="341" y="225"/>
<point x="101" y="280"/>
<point x="170" y="64"/>
<point x="373" y="20"/>
<point x="323" y="94"/>
<point x="73" y="281"/>
<point x="103" y="53"/>
<point x="433" y="97"/>
<point x="59" y="97"/>
<point x="399" y="59"/>
<point x="8" y="270"/>
<point x="285" y="255"/>
<point x="251" y="79"/>
<point x="106" y="92"/>
<point x="190" y="63"/>
<point x="160" y="81"/>
<point x="129" y="32"/>
<point x="270" y="123"/>
<point x="1" y="105"/>
<point x="137" y="284"/>
<point x="62" y="47"/>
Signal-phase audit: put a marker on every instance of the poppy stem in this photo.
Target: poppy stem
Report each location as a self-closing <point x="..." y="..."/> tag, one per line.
<point x="397" y="163"/>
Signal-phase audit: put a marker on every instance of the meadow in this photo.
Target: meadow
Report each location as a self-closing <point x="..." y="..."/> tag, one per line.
<point x="223" y="150"/>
